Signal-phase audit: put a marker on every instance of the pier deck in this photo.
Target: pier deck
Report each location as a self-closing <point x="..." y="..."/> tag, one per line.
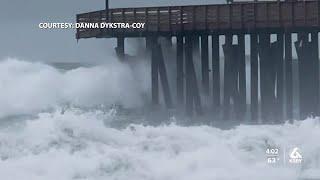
<point x="244" y="17"/>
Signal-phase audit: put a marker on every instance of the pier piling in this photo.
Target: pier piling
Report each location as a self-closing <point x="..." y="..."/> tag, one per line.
<point x="154" y="72"/>
<point x="215" y="72"/>
<point x="120" y="48"/>
<point x="308" y="75"/>
<point x="279" y="65"/>
<point x="230" y="100"/>
<point x="267" y="77"/>
<point x="205" y="63"/>
<point x="164" y="77"/>
<point x="241" y="85"/>
<point x="315" y="50"/>
<point x="254" y="77"/>
<point x="288" y="77"/>
<point x="180" y="70"/>
<point x="158" y="68"/>
<point x="193" y="101"/>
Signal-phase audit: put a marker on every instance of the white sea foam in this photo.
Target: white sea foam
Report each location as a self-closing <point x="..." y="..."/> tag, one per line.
<point x="81" y="145"/>
<point x="77" y="145"/>
<point x="27" y="87"/>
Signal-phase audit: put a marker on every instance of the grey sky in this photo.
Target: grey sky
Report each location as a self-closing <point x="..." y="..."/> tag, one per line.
<point x="20" y="36"/>
<point x="35" y="9"/>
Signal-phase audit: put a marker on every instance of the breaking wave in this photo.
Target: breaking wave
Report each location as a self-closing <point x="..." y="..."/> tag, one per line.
<point x="29" y="87"/>
<point x="81" y="145"/>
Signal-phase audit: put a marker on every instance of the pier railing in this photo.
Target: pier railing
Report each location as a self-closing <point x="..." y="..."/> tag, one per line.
<point x="244" y="17"/>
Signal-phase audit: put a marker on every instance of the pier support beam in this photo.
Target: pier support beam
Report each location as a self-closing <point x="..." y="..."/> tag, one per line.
<point x="158" y="68"/>
<point x="271" y="70"/>
<point x="268" y="77"/>
<point x="149" y="43"/>
<point x="120" y="48"/>
<point x="205" y="63"/>
<point x="231" y="72"/>
<point x="180" y="71"/>
<point x="164" y="78"/>
<point x="196" y="45"/>
<point x="216" y="71"/>
<point x="278" y="56"/>
<point x="192" y="90"/>
<point x="288" y="76"/>
<point x="234" y="79"/>
<point x="241" y="55"/>
<point x="254" y="77"/>
<point x="227" y="51"/>
<point x="169" y="40"/>
<point x="154" y="72"/>
<point x="308" y="75"/>
<point x="315" y="50"/>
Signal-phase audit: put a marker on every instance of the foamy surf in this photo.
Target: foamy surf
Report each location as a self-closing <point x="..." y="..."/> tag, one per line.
<point x="81" y="145"/>
<point x="52" y="142"/>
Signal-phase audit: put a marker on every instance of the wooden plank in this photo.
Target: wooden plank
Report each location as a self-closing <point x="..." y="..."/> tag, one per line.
<point x="224" y="17"/>
<point x="181" y="19"/>
<point x="261" y="15"/>
<point x="236" y="16"/>
<point x="200" y="17"/>
<point x="140" y="15"/>
<point x="206" y="18"/>
<point x="318" y="9"/>
<point x="175" y="20"/>
<point x="158" y="19"/>
<point x="311" y="14"/>
<point x="212" y="17"/>
<point x="147" y="19"/>
<point x="152" y="20"/>
<point x="188" y="18"/>
<point x="193" y="14"/>
<point x="286" y="15"/>
<point x="249" y="16"/>
<point x="299" y="14"/>
<point x="164" y="22"/>
<point x="273" y="15"/>
<point x="170" y="18"/>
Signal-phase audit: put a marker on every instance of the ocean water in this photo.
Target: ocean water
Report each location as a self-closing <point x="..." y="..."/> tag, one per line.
<point x="52" y="127"/>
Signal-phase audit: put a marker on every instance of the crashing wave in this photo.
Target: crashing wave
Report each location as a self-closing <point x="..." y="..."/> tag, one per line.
<point x="80" y="145"/>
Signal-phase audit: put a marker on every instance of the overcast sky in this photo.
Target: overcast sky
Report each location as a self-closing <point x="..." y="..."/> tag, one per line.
<point x="20" y="36"/>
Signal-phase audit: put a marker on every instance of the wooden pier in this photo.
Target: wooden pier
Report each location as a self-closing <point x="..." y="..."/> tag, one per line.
<point x="195" y="27"/>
